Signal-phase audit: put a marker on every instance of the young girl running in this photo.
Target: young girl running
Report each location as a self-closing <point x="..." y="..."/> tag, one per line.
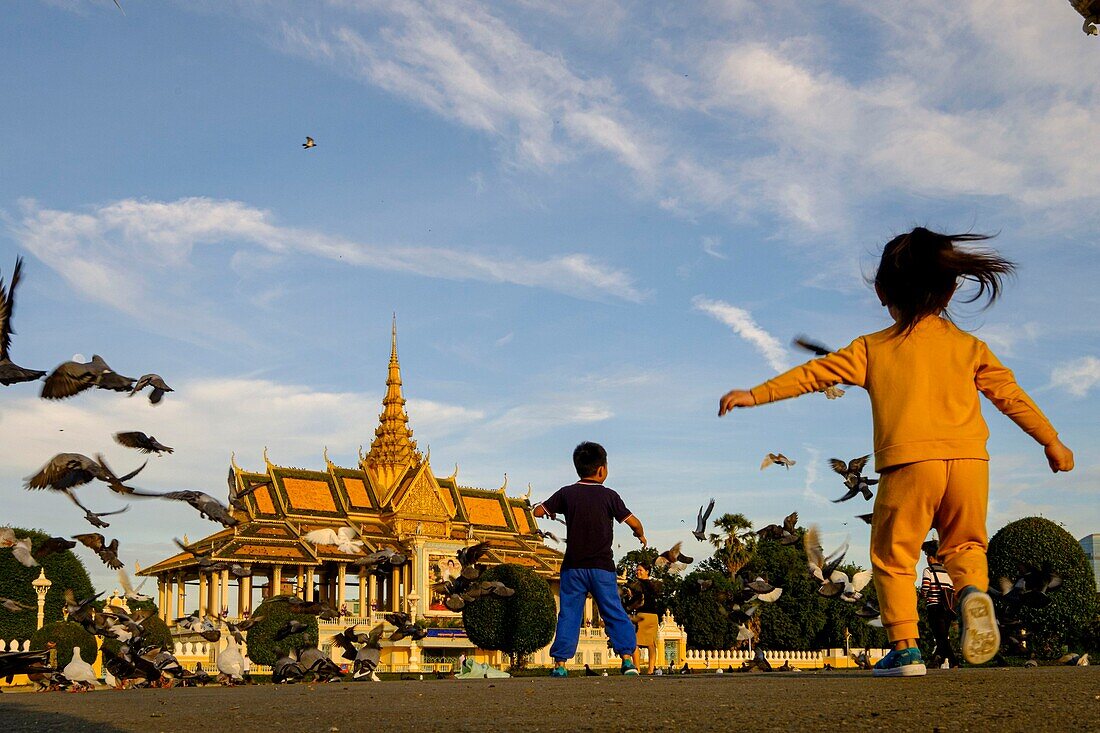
<point x="923" y="375"/>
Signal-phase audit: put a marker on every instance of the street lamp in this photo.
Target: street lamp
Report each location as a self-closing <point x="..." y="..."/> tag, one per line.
<point x="41" y="587"/>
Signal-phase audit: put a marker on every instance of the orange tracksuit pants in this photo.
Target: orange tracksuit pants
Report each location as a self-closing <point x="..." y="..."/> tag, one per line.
<point x="949" y="495"/>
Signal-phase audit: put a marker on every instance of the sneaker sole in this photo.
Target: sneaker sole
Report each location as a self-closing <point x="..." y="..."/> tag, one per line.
<point x="906" y="670"/>
<point x="630" y="673"/>
<point x="980" y="636"/>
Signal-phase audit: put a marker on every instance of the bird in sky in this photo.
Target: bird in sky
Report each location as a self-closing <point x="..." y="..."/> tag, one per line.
<point x="1090" y="11"/>
<point x="208" y="507"/>
<point x="787" y="534"/>
<point x="832" y="392"/>
<point x="96" y="542"/>
<point x="10" y="373"/>
<point x="160" y="387"/>
<point x="700" y="531"/>
<point x="73" y="377"/>
<point x="857" y="483"/>
<point x="308" y="143"/>
<point x="142" y="442"/>
<point x="777" y="459"/>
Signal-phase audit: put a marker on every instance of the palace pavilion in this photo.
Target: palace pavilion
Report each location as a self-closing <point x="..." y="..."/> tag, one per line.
<point x="394" y="499"/>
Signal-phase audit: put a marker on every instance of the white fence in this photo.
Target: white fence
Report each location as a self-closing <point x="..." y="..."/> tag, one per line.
<point x="15" y="645"/>
<point x="725" y="656"/>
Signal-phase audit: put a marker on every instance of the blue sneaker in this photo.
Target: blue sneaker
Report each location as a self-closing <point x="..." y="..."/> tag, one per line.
<point x="901" y="663"/>
<point x="559" y="672"/>
<point x="978" y="632"/>
<point x="628" y="667"/>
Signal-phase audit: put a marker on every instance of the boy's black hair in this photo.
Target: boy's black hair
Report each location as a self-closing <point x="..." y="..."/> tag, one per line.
<point x="588" y="457"/>
<point x="931" y="548"/>
<point x="919" y="271"/>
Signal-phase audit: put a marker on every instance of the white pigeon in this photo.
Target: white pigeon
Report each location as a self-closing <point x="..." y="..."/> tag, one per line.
<point x="342" y="539"/>
<point x="744" y="633"/>
<point x="231" y="662"/>
<point x="128" y="588"/>
<point x="852" y="586"/>
<point x="21" y="550"/>
<point x="79" y="672"/>
<point x="1083" y="661"/>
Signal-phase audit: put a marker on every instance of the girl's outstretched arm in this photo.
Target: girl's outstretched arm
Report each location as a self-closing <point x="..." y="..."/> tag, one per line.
<point x="847" y="366"/>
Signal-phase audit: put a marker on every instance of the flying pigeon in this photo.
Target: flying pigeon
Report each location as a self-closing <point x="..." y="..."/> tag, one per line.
<point x="154" y="381"/>
<point x="778" y="459"/>
<point x="95" y="542"/>
<point x="857" y="483"/>
<point x="10" y="373"/>
<point x="309" y="143"/>
<point x="72" y="377"/>
<point x="1090" y="11"/>
<point x="142" y="442"/>
<point x="700" y="531"/>
<point x="785" y="535"/>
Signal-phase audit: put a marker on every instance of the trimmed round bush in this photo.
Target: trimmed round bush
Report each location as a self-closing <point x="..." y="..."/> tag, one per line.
<point x="263" y="648"/>
<point x="157" y="633"/>
<point x="1072" y="609"/>
<point x="66" y="635"/>
<point x="63" y="569"/>
<point x="518" y="625"/>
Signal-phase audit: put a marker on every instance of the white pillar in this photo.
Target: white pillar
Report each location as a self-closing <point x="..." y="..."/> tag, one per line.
<point x="204" y="597"/>
<point x="341" y="578"/>
<point x="309" y="583"/>
<point x="277" y="580"/>
<point x="364" y="611"/>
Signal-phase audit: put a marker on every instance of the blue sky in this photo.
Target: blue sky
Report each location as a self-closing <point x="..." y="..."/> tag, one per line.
<point x="591" y="218"/>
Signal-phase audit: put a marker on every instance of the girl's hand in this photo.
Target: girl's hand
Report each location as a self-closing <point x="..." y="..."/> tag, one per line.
<point x="1059" y="456"/>
<point x="735" y="398"/>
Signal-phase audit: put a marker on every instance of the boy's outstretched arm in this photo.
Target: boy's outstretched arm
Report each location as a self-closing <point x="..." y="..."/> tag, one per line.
<point x="636" y="525"/>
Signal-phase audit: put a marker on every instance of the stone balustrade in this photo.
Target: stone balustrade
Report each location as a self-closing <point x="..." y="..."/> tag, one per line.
<point x="15" y="645"/>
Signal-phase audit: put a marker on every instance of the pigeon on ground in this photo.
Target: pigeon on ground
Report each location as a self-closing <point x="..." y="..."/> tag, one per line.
<point x="72" y="377"/>
<point x="787" y="534"/>
<point x="314" y="661"/>
<point x="1090" y="11"/>
<point x="308" y="143"/>
<point x="778" y="459"/>
<point x="10" y="373"/>
<point x="158" y="385"/>
<point x="108" y="553"/>
<point x="231" y="663"/>
<point x="208" y="507"/>
<point x="80" y="672"/>
<point x="701" y="519"/>
<point x="142" y="442"/>
<point x="286" y="670"/>
<point x="852" y="471"/>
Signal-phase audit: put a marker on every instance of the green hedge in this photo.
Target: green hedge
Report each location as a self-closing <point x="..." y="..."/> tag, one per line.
<point x="66" y="635"/>
<point x="262" y="645"/>
<point x="518" y="625"/>
<point x="1072" y="610"/>
<point x="63" y="569"/>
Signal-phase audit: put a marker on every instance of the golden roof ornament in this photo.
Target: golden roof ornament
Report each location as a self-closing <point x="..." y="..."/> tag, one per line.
<point x="393" y="450"/>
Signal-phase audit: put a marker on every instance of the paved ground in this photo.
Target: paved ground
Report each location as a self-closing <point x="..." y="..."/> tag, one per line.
<point x="1049" y="698"/>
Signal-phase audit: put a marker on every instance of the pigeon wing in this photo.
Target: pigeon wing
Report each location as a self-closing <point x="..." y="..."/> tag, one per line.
<point x="856" y="465"/>
<point x="839" y="466"/>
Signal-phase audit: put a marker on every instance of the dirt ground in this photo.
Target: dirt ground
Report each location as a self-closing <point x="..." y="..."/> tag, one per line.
<point x="1048" y="698"/>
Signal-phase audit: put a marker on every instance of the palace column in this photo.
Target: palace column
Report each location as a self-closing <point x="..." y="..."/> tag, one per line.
<point x="322" y="584"/>
<point x="341" y="578"/>
<point x="395" y="588"/>
<point x="301" y="582"/>
<point x="203" y="598"/>
<point x="244" y="589"/>
<point x="160" y="596"/>
<point x="224" y="599"/>
<point x="212" y="594"/>
<point x="588" y="610"/>
<point x="181" y="598"/>
<point x="372" y="594"/>
<point x="308" y="583"/>
<point x="363" y="611"/>
<point x="276" y="580"/>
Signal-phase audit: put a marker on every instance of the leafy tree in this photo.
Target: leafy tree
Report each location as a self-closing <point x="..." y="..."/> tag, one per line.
<point x="517" y="625"/>
<point x="841" y="617"/>
<point x="63" y="569"/>
<point x="67" y="635"/>
<point x="797" y="619"/>
<point x="733" y="543"/>
<point x="263" y="647"/>
<point x="1039" y="542"/>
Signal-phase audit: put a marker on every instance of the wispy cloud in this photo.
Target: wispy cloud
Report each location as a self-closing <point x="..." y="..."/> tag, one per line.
<point x="112" y="253"/>
<point x="1078" y="377"/>
<point x="712" y="246"/>
<point x="742" y="324"/>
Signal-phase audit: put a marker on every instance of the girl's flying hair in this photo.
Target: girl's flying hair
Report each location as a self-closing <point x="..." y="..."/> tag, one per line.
<point x="919" y="272"/>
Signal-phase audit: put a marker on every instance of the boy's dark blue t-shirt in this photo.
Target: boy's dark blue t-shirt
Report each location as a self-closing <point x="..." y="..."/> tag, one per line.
<point x="590" y="509"/>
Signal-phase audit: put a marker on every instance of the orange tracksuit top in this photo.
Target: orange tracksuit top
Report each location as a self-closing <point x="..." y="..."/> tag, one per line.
<point x="924" y="391"/>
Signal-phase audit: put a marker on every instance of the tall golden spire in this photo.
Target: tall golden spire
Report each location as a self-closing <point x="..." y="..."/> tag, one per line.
<point x="393" y="449"/>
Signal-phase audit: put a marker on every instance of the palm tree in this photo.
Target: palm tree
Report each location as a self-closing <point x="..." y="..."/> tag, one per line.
<point x="734" y="542"/>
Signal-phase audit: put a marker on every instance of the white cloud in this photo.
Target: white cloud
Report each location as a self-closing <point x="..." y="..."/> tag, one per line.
<point x="459" y="60"/>
<point x="110" y="253"/>
<point x="742" y="323"/>
<point x="1077" y="377"/>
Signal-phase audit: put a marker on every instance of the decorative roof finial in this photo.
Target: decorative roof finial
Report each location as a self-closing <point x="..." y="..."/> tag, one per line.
<point x="393" y="448"/>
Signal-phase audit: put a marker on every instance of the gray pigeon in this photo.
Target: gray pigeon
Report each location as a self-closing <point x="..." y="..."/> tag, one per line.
<point x="10" y="373"/>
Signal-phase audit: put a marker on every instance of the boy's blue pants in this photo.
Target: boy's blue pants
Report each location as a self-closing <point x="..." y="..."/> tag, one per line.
<point x="576" y="584"/>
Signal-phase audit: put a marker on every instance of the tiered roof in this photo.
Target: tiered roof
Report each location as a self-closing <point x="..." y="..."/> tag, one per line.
<point x="392" y="496"/>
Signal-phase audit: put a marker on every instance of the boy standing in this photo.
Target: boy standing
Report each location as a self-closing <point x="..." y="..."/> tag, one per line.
<point x="589" y="567"/>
